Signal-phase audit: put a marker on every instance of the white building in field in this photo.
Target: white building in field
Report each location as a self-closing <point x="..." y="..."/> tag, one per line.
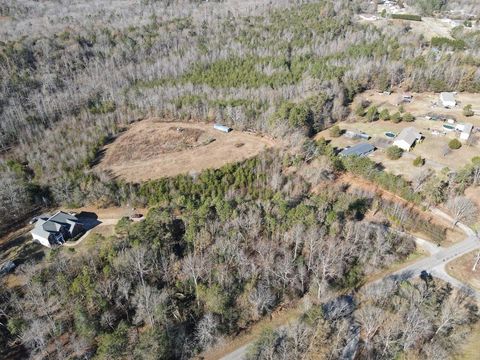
<point x="407" y="138"/>
<point x="448" y="99"/>
<point x="465" y="131"/>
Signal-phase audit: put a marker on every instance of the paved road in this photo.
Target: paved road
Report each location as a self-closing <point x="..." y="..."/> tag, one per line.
<point x="238" y="354"/>
<point x="434" y="264"/>
<point x="439" y="258"/>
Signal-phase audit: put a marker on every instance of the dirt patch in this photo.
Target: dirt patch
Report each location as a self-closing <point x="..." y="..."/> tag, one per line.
<point x="461" y="269"/>
<point x="145" y="143"/>
<point x="110" y="212"/>
<point x="151" y="149"/>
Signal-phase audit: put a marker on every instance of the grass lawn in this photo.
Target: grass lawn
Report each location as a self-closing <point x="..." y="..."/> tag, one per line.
<point x="461" y="269"/>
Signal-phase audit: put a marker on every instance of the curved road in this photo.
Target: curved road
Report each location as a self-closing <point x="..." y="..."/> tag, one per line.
<point x="434" y="264"/>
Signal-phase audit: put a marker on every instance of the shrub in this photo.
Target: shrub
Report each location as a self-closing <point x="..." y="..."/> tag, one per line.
<point x="454" y="144"/>
<point x="407" y="17"/>
<point x="372" y="113"/>
<point x="335" y="131"/>
<point x="394" y="152"/>
<point x="419" y="161"/>
<point x="360" y="110"/>
<point x="396" y="117"/>
<point x="408" y="117"/>
<point x="384" y="115"/>
<point x="401" y="109"/>
<point x="467" y="110"/>
<point x="455" y="44"/>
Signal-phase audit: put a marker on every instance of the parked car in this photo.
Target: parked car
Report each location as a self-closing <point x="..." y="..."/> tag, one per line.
<point x="7" y="267"/>
<point x="33" y="220"/>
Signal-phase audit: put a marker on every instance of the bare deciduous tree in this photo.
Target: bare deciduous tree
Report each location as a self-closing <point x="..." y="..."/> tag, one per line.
<point x="462" y="210"/>
<point x="206" y="332"/>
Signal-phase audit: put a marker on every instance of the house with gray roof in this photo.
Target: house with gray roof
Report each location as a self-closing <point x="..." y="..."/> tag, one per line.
<point x="362" y="149"/>
<point x="407" y="138"/>
<point x="56" y="229"/>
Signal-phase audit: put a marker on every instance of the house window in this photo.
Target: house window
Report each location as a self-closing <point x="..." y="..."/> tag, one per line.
<point x="59" y="238"/>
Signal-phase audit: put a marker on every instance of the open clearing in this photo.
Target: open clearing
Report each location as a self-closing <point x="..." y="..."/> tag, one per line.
<point x="432" y="148"/>
<point x="429" y="27"/>
<point x="152" y="149"/>
<point x="461" y="269"/>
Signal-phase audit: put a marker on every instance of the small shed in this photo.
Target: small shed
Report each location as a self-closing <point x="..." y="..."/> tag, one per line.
<point x="354" y="135"/>
<point x="350" y="134"/>
<point x="222" y="128"/>
<point x="448" y="99"/>
<point x="362" y="149"/>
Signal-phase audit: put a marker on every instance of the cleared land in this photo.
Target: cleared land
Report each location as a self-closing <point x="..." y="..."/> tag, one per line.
<point x="434" y="146"/>
<point x="429" y="27"/>
<point x="152" y="149"/>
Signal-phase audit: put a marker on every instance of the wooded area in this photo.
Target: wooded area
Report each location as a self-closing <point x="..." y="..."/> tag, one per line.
<point x="66" y="90"/>
<point x="221" y="249"/>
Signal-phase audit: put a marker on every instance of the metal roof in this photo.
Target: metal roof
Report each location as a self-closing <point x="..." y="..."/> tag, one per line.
<point x="359" y="149"/>
<point x="467" y="128"/>
<point x="409" y="135"/>
<point x="47" y="225"/>
<point x="447" y="96"/>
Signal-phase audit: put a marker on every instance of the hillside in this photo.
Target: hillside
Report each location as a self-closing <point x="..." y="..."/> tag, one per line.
<point x="109" y="106"/>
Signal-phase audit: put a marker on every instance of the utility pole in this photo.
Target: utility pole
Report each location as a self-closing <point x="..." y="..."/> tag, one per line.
<point x="477" y="260"/>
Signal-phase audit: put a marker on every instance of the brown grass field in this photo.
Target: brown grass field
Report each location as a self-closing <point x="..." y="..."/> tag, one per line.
<point x="152" y="149"/>
<point x="461" y="269"/>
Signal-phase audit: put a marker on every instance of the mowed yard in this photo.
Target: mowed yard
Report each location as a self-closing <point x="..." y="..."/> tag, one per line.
<point x="432" y="148"/>
<point x="151" y="149"/>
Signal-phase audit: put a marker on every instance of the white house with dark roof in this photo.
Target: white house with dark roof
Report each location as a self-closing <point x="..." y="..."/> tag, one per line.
<point x="56" y="229"/>
<point x="407" y="138"/>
